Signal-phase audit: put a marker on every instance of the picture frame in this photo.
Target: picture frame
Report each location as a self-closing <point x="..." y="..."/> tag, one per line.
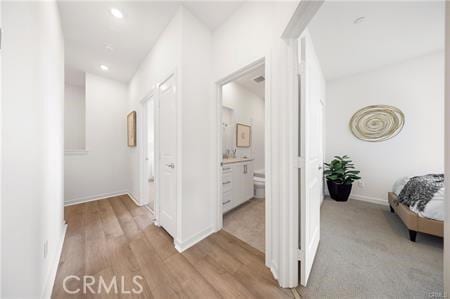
<point x="243" y="135"/>
<point x="131" y="128"/>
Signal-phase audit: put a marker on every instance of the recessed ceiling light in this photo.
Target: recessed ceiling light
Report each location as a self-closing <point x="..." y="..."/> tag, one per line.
<point x="116" y="13"/>
<point x="104" y="67"/>
<point x="359" y="20"/>
<point x="109" y="48"/>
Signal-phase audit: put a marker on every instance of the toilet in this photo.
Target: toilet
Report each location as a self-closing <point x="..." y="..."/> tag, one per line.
<point x="259" y="182"/>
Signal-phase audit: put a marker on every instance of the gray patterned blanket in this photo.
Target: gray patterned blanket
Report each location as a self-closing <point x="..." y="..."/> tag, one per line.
<point x="420" y="190"/>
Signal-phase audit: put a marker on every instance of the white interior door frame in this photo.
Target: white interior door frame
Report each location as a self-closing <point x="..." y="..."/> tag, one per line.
<point x="289" y="210"/>
<point x="143" y="149"/>
<point x="267" y="147"/>
<point x="153" y="95"/>
<point x="447" y="149"/>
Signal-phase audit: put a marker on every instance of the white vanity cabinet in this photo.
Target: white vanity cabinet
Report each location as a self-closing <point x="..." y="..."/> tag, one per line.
<point x="237" y="183"/>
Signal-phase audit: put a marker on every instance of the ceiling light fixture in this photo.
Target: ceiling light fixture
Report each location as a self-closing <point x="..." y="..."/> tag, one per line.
<point x="104" y="67"/>
<point x="116" y="13"/>
<point x="359" y="20"/>
<point x="109" y="48"/>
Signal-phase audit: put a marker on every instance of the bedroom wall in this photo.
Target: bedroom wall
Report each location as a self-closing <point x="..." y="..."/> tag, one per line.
<point x="247" y="108"/>
<point x="103" y="169"/>
<point x="416" y="87"/>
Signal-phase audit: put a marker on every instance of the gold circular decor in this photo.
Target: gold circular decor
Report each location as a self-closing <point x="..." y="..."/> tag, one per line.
<point x="377" y="123"/>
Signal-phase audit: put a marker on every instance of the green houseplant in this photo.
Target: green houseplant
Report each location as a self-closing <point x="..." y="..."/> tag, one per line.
<point x="340" y="174"/>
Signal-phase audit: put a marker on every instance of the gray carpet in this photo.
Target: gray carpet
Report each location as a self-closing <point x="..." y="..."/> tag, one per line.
<point x="365" y="252"/>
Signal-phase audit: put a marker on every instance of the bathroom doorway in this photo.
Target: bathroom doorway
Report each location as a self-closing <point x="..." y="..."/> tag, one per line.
<point x="243" y="156"/>
<point x="149" y="187"/>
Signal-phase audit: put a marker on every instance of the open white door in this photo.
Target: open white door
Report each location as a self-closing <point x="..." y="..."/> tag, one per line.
<point x="311" y="154"/>
<point x="167" y="151"/>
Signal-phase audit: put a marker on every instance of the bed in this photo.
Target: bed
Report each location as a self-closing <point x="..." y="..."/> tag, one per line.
<point x="429" y="220"/>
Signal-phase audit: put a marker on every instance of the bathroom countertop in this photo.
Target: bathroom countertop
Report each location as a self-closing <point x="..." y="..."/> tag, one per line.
<point x="235" y="160"/>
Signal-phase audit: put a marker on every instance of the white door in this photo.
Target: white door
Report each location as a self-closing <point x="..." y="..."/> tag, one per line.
<point x="149" y="154"/>
<point x="311" y="155"/>
<point x="167" y="152"/>
<point x="150" y="150"/>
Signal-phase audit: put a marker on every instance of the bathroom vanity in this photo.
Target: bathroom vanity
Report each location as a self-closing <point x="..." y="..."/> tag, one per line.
<point x="237" y="182"/>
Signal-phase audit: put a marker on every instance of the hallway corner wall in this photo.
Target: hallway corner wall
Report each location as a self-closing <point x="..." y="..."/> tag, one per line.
<point x="32" y="148"/>
<point x="101" y="171"/>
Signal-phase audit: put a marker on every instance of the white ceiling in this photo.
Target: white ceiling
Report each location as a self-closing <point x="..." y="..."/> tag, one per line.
<point x="392" y="31"/>
<point x="89" y="28"/>
<point x="212" y="13"/>
<point x="248" y="83"/>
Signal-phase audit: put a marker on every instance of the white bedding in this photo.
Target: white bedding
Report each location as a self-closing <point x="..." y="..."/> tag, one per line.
<point x="435" y="207"/>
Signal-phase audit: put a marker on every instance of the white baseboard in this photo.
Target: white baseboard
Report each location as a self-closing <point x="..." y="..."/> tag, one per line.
<point x="274" y="269"/>
<point x="182" y="246"/>
<point x="374" y="200"/>
<point x="134" y="199"/>
<point x="48" y="287"/>
<point x="94" y="197"/>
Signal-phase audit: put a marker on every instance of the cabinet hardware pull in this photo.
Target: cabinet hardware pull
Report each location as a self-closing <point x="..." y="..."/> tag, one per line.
<point x="226" y="202"/>
<point x="227" y="182"/>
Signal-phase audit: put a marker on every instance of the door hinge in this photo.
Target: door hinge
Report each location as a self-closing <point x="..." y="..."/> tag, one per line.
<point x="299" y="254"/>
<point x="301" y="68"/>
<point x="300" y="162"/>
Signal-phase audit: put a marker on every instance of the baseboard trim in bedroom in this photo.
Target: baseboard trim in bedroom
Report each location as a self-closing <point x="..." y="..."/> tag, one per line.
<point x="375" y="200"/>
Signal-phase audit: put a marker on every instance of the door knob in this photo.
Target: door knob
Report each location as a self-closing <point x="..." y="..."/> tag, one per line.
<point x="320" y="167"/>
<point x="171" y="165"/>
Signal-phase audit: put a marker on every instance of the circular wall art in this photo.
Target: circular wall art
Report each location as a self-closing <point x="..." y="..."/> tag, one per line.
<point x="377" y="123"/>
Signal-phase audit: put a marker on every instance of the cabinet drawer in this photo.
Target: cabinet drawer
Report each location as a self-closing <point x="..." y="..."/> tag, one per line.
<point x="227" y="201"/>
<point x="227" y="197"/>
<point x="227" y="182"/>
<point x="226" y="169"/>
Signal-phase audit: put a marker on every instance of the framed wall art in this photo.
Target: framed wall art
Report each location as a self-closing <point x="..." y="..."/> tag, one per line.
<point x="243" y="135"/>
<point x="131" y="129"/>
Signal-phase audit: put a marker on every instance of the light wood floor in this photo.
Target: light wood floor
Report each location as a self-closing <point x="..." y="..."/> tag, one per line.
<point x="114" y="237"/>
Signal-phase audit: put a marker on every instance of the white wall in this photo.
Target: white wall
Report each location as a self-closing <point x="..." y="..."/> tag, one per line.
<point x="417" y="88"/>
<point x="253" y="32"/>
<point x="74" y="117"/>
<point x="103" y="170"/>
<point x="33" y="147"/>
<point x="247" y="108"/>
<point x="163" y="59"/>
<point x="185" y="48"/>
<point x="197" y="102"/>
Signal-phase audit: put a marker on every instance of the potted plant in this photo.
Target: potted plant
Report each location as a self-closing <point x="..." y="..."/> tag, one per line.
<point x="340" y="174"/>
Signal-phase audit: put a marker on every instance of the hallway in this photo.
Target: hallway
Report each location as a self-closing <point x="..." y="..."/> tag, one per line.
<point x="115" y="237"/>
